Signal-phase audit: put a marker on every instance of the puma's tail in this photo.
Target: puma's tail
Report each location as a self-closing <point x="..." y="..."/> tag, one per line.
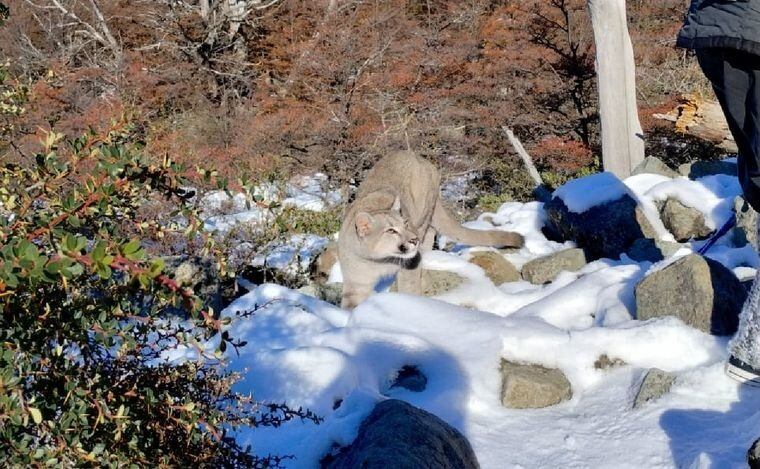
<point x="445" y="223"/>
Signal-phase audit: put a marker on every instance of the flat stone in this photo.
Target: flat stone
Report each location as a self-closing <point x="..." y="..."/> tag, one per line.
<point x="683" y="222"/>
<point x="528" y="386"/>
<point x="400" y="436"/>
<point x="700" y="291"/>
<point x="496" y="267"/>
<point x="655" y="384"/>
<point x="436" y="282"/>
<point x="653" y="165"/>
<point x="545" y="269"/>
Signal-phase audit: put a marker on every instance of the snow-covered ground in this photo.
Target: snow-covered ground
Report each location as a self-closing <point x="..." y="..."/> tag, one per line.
<point x="339" y="364"/>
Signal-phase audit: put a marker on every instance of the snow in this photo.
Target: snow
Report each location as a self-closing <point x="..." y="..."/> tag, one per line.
<point x="311" y="193"/>
<point x="294" y="255"/>
<point x="579" y="195"/>
<point x="340" y="364"/>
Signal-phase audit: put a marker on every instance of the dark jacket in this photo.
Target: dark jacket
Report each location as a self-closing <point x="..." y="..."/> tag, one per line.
<point x="732" y="24"/>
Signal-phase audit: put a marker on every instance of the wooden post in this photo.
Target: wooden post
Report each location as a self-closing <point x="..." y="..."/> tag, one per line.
<point x="622" y="137"/>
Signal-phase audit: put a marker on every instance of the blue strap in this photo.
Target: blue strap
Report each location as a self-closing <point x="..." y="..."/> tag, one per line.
<point x="718" y="234"/>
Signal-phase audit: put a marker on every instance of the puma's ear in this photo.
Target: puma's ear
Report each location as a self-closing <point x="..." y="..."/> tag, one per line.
<point x="396" y="207"/>
<point x="363" y="224"/>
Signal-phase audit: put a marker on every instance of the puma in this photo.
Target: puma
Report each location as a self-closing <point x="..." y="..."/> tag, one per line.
<point x="393" y="220"/>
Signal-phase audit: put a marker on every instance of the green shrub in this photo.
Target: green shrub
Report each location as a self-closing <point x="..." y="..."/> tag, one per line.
<point x="87" y="316"/>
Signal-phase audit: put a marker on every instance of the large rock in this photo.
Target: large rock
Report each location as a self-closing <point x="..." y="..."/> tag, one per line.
<point x="655" y="384"/>
<point x="400" y="436"/>
<point x="701" y="292"/>
<point x="753" y="455"/>
<point x="683" y="222"/>
<point x="545" y="269"/>
<point x="496" y="267"/>
<point x="605" y="227"/>
<point x="652" y="250"/>
<point x="528" y="386"/>
<point x="653" y="165"/>
<point x="699" y="169"/>
<point x="745" y="231"/>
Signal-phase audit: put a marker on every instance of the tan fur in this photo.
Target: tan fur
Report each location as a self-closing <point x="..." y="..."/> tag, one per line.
<point x="401" y="194"/>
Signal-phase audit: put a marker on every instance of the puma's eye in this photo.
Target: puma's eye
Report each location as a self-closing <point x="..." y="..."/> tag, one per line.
<point x="392" y="231"/>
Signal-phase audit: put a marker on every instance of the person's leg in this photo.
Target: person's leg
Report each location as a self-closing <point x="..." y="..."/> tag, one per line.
<point x="735" y="77"/>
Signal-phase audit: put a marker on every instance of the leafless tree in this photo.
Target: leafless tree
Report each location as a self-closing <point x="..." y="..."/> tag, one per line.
<point x="77" y="28"/>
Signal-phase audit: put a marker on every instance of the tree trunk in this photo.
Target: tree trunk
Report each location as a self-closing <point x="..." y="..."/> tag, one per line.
<point x="622" y="137"/>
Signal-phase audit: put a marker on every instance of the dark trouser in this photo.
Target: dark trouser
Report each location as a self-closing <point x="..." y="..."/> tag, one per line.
<point x="735" y="78"/>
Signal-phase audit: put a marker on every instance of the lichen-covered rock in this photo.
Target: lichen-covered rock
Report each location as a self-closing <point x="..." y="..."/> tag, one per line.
<point x="683" y="222"/>
<point x="700" y="291"/>
<point x="496" y="267"/>
<point x="436" y="282"/>
<point x="328" y="292"/>
<point x="530" y="386"/>
<point x="653" y="165"/>
<point x="400" y="436"/>
<point x="545" y="269"/>
<point x="745" y="231"/>
<point x="605" y="230"/>
<point x="655" y="384"/>
<point x="652" y="250"/>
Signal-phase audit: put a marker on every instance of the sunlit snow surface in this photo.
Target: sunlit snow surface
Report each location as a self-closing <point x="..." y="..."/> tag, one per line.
<point x="312" y="354"/>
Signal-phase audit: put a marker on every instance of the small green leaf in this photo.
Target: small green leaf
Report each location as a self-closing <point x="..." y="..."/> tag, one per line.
<point x="36" y="415"/>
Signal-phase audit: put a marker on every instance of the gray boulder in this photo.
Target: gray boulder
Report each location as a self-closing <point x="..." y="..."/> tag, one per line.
<point x="701" y="292"/>
<point x="545" y="269"/>
<point x="698" y="169"/>
<point x="653" y="165"/>
<point x="400" y="436"/>
<point x="655" y="384"/>
<point x="652" y="250"/>
<point x="529" y="386"/>
<point x="745" y="231"/>
<point x="753" y="455"/>
<point x="605" y="230"/>
<point x="683" y="222"/>
<point x="496" y="267"/>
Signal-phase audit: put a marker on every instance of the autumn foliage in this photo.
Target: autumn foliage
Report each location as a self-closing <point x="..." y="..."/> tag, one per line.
<point x="333" y="84"/>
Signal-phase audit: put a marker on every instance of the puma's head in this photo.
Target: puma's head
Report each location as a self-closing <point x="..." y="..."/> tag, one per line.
<point x="386" y="236"/>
